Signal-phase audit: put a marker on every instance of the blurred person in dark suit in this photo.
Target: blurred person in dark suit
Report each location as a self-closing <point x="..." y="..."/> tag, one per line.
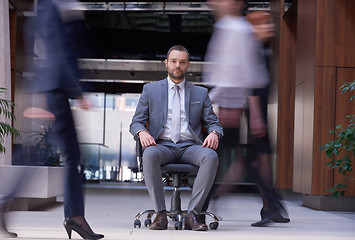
<point x="61" y="31"/>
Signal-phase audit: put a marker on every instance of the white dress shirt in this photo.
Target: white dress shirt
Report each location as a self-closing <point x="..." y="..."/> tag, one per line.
<point x="185" y="132"/>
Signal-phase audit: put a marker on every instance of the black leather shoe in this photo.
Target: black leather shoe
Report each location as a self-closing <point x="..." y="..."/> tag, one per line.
<point x="71" y="225"/>
<point x="263" y="223"/>
<point x="202" y="218"/>
<point x="192" y="222"/>
<point x="274" y="216"/>
<point x="269" y="217"/>
<point x="160" y="222"/>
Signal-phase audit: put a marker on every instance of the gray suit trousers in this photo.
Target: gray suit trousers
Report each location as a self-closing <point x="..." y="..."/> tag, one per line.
<point x="182" y="152"/>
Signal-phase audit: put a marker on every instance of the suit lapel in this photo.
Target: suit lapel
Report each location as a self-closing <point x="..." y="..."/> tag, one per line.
<point x="187" y="100"/>
<point x="164" y="99"/>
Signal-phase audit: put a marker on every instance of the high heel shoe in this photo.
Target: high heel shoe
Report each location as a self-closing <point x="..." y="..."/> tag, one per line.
<point x="4" y="233"/>
<point x="70" y="225"/>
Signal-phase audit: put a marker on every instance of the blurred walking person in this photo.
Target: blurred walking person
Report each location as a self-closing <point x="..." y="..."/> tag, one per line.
<point x="61" y="30"/>
<point x="273" y="209"/>
<point x="238" y="68"/>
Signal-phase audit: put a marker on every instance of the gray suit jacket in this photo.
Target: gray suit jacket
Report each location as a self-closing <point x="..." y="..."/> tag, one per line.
<point x="152" y="108"/>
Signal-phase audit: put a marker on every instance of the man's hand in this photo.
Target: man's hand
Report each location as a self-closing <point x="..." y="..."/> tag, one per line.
<point x="211" y="141"/>
<point x="257" y="124"/>
<point x="264" y="31"/>
<point x="146" y="139"/>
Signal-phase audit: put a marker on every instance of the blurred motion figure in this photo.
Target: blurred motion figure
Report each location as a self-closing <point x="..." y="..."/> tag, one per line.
<point x="61" y="30"/>
<point x="237" y="72"/>
<point x="272" y="210"/>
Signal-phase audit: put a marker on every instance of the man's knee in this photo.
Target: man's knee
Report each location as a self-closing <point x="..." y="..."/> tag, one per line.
<point x="211" y="157"/>
<point x="151" y="155"/>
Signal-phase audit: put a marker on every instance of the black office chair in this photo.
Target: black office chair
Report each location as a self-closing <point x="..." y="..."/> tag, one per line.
<point x="178" y="175"/>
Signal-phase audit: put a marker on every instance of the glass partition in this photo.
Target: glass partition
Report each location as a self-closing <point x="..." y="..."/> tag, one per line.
<point x="107" y="147"/>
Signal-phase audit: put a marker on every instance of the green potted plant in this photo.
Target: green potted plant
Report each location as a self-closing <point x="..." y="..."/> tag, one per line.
<point x="46" y="180"/>
<point x="341" y="151"/>
<point x="45" y="152"/>
<point x="6" y="113"/>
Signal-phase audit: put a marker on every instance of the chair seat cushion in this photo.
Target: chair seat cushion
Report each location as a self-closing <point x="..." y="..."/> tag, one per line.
<point x="179" y="168"/>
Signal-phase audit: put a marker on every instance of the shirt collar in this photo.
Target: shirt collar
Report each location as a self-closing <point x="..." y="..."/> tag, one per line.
<point x="172" y="84"/>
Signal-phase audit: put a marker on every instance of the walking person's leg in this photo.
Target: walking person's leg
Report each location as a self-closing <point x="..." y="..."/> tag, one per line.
<point x="64" y="126"/>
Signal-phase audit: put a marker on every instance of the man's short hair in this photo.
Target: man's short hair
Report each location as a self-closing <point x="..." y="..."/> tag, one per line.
<point x="178" y="48"/>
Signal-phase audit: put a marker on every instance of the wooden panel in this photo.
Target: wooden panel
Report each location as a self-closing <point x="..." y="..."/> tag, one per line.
<point x="306" y="40"/>
<point x="308" y="128"/>
<point x="286" y="93"/>
<point x="275" y="6"/>
<point x="273" y="128"/>
<point x="298" y="139"/>
<point x="324" y="120"/>
<point x="350" y="34"/>
<point x="343" y="108"/>
<point x="305" y="73"/>
<point x="335" y="33"/>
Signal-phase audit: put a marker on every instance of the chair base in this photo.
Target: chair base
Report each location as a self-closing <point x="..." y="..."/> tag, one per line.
<point x="177" y="216"/>
<point x="176" y="173"/>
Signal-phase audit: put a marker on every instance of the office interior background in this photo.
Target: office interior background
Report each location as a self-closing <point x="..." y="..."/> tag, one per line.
<point x="313" y="56"/>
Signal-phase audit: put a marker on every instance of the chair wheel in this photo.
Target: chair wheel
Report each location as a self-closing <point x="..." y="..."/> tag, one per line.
<point x="147" y="222"/>
<point x="178" y="225"/>
<point x="214" y="225"/>
<point x="137" y="223"/>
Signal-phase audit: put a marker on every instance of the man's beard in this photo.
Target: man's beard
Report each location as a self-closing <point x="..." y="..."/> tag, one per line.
<point x="179" y="76"/>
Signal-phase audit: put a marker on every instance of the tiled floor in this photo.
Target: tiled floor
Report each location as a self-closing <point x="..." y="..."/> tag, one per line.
<point x="111" y="210"/>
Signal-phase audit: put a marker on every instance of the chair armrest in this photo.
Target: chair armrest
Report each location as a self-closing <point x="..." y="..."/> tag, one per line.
<point x="139" y="154"/>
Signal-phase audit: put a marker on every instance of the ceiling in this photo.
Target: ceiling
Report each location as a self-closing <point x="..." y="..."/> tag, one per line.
<point x="143" y="30"/>
<point x="130" y="38"/>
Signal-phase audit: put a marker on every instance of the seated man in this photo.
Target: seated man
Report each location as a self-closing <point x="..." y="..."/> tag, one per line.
<point x="175" y="111"/>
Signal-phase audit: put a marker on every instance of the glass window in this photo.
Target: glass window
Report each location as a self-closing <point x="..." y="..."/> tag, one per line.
<point x="108" y="149"/>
